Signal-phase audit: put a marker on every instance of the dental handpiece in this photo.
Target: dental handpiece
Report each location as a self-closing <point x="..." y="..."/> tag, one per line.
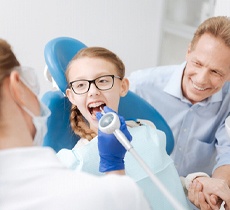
<point x="110" y="123"/>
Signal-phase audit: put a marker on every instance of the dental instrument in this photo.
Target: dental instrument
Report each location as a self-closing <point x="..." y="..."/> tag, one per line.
<point x="110" y="123"/>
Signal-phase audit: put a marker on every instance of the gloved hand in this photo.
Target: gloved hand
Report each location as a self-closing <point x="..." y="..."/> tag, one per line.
<point x="111" y="151"/>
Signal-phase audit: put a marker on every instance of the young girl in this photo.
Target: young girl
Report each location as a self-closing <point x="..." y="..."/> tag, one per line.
<point x="96" y="79"/>
<point x="33" y="177"/>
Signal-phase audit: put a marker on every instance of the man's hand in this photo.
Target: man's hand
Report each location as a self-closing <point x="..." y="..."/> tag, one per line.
<point x="209" y="193"/>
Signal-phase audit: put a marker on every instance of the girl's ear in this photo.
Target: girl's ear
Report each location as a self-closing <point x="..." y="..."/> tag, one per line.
<point x="70" y="96"/>
<point x="17" y="89"/>
<point x="124" y="87"/>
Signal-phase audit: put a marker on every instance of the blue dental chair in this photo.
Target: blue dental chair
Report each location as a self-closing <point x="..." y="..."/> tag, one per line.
<point x="58" y="52"/>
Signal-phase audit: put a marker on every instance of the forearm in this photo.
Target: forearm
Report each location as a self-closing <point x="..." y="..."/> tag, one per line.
<point x="223" y="172"/>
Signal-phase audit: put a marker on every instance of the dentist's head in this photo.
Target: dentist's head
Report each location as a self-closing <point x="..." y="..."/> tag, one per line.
<point x="22" y="116"/>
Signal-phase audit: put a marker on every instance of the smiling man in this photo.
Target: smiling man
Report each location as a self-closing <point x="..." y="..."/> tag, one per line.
<point x="194" y="98"/>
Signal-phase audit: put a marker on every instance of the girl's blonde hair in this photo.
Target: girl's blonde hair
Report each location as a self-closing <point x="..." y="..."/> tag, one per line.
<point x="77" y="120"/>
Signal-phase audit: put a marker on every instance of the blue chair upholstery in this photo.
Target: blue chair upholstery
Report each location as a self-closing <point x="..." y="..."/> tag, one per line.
<point x="60" y="134"/>
<point x="58" y="52"/>
<point x="134" y="107"/>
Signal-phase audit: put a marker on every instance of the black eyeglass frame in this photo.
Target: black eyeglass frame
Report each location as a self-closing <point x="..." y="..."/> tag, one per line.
<point x="93" y="81"/>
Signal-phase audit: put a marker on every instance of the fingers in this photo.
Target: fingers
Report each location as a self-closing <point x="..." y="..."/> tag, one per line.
<point x="107" y="109"/>
<point x="199" y="198"/>
<point x="215" y="201"/>
<point x="193" y="192"/>
<point x="213" y="190"/>
<point x="203" y="204"/>
<point x="98" y="115"/>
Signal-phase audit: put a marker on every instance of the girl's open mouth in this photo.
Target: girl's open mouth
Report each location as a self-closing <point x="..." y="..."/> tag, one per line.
<point x="96" y="107"/>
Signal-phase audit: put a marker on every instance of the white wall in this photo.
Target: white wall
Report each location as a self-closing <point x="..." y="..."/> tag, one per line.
<point x="127" y="27"/>
<point x="222" y="7"/>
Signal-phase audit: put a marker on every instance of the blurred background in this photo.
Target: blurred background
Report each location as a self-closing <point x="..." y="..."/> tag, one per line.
<point x="142" y="33"/>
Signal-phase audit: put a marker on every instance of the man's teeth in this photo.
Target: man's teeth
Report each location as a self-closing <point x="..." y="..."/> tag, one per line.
<point x="198" y="88"/>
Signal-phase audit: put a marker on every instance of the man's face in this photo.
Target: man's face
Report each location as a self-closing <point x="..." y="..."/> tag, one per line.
<point x="207" y="69"/>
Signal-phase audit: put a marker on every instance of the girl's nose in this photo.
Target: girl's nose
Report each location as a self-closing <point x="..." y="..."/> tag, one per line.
<point x="93" y="90"/>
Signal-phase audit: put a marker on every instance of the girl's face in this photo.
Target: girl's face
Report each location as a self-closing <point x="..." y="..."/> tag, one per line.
<point x="89" y="103"/>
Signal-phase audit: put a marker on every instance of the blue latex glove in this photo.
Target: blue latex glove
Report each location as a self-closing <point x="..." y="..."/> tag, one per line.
<point x="111" y="151"/>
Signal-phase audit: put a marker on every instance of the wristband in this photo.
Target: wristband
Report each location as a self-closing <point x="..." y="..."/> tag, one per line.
<point x="190" y="177"/>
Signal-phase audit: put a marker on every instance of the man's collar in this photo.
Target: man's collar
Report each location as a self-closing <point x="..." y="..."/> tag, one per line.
<point x="174" y="87"/>
<point x="174" y="84"/>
